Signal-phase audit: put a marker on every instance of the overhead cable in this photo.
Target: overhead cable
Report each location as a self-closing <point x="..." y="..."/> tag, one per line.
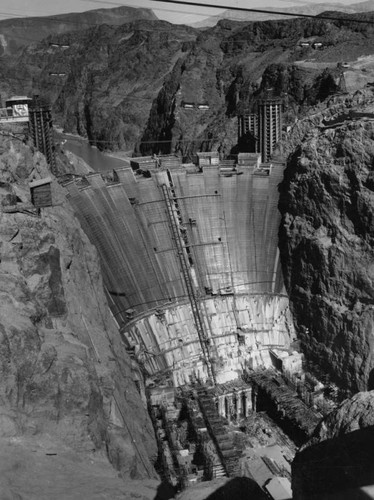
<point x="265" y="11"/>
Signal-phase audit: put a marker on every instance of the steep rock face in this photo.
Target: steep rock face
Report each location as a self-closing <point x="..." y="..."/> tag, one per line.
<point x="301" y="85"/>
<point x="326" y="240"/>
<point x="337" y="463"/>
<point x="113" y="76"/>
<point x="64" y="370"/>
<point x="195" y="80"/>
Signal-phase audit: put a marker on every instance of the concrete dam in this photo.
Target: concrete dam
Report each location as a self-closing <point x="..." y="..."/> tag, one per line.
<point x="191" y="263"/>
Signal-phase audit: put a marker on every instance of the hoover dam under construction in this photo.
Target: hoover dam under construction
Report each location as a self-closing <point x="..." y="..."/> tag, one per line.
<point x="193" y="278"/>
<point x="191" y="263"/>
<point x="191" y="258"/>
<point x="187" y="257"/>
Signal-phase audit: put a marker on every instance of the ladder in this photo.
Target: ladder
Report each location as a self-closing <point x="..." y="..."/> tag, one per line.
<point x="203" y="338"/>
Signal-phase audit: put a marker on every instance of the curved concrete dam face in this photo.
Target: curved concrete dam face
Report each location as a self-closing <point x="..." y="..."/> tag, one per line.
<point x="191" y="265"/>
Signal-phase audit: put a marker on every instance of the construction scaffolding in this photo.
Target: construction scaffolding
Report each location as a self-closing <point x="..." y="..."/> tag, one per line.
<point x="248" y="126"/>
<point x="225" y="447"/>
<point x="285" y="401"/>
<point x="40" y="126"/>
<point x="185" y="268"/>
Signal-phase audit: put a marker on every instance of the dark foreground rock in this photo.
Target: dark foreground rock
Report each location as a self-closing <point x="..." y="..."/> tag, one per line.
<point x="338" y="462"/>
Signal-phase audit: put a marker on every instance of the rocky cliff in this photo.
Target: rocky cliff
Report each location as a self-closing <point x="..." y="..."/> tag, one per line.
<point x="326" y="238"/>
<point x="118" y="84"/>
<point x="67" y="388"/>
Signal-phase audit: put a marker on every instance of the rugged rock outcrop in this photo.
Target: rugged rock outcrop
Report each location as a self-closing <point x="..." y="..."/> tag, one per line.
<point x="66" y="378"/>
<point x="116" y="84"/>
<point x="17" y="33"/>
<point x="338" y="462"/>
<point x="326" y="239"/>
<point x="351" y="415"/>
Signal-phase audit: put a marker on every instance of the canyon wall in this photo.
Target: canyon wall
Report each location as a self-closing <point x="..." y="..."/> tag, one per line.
<point x="326" y="238"/>
<point x="65" y="375"/>
<point x="125" y="87"/>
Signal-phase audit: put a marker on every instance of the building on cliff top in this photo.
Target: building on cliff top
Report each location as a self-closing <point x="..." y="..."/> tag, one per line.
<point x="16" y="110"/>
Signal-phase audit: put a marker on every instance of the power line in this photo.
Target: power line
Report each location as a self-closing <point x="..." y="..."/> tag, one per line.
<point x="137" y="6"/>
<point x="155" y="141"/>
<point x="59" y="17"/>
<point x="169" y="301"/>
<point x="265" y="11"/>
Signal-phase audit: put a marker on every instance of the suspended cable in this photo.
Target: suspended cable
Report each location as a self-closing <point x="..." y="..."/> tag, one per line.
<point x="163" y="9"/>
<point x="169" y="300"/>
<point x="60" y="17"/>
<point x="155" y="141"/>
<point x="266" y="11"/>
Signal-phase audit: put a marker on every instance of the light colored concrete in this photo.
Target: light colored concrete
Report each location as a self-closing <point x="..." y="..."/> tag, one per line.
<point x="230" y="227"/>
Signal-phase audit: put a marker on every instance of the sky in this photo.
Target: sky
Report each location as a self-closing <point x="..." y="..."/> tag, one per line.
<point x="181" y="14"/>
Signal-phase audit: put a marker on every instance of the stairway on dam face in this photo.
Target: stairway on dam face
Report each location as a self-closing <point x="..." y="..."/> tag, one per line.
<point x="229" y="226"/>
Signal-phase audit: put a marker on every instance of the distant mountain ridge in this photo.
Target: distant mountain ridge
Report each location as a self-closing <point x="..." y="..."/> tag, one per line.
<point x="311" y="9"/>
<point x="19" y="32"/>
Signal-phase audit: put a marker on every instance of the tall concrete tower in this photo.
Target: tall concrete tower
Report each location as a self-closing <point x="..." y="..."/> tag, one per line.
<point x="248" y="127"/>
<point x="41" y="129"/>
<point x="270" y="125"/>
